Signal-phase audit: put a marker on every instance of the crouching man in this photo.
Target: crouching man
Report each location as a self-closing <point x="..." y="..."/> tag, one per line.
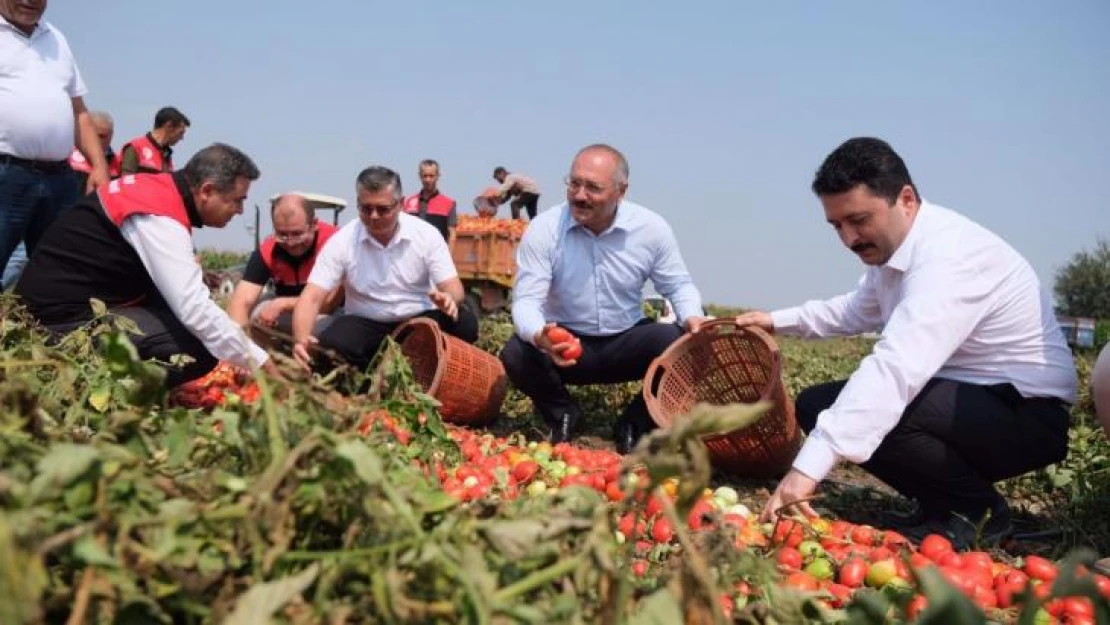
<point x="392" y="267"/>
<point x="130" y="245"/>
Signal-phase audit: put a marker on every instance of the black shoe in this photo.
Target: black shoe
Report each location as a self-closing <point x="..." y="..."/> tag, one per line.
<point x="899" y="520"/>
<point x="566" y="427"/>
<point x="628" y="431"/>
<point x="964" y="532"/>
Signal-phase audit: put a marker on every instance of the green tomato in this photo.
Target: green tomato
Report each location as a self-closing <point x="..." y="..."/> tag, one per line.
<point x="820" y="568"/>
<point x="811" y="549"/>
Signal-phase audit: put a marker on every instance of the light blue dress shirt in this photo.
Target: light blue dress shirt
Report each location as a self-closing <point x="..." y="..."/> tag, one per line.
<point x="593" y="284"/>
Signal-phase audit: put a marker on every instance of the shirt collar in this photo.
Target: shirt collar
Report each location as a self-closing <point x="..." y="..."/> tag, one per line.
<point x="624" y="220"/>
<point x="41" y="28"/>
<point x="902" y="257"/>
<point x="427" y="196"/>
<point x="182" y="183"/>
<point x="404" y="233"/>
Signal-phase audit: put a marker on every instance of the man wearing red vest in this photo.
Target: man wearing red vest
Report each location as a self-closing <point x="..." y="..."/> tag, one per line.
<point x="152" y="153"/>
<point x="130" y="246"/>
<point x="284" y="259"/>
<point x="105" y="130"/>
<point x="431" y="205"/>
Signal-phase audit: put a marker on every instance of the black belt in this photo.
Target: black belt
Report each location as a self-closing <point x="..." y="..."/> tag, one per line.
<point x="47" y="167"/>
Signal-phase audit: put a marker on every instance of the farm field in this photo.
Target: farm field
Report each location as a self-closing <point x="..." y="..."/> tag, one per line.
<point x="290" y="503"/>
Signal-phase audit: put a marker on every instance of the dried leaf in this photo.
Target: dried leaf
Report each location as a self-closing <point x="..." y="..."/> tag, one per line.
<point x="262" y="601"/>
<point x="661" y="608"/>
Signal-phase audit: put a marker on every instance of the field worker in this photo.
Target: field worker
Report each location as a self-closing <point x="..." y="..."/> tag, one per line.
<point x="284" y="259"/>
<point x="105" y="130"/>
<point x="431" y="205"/>
<point x="152" y="153"/>
<point x="522" y="190"/>
<point x="582" y="267"/>
<point x="42" y="115"/>
<point x="392" y="266"/>
<point x="130" y="245"/>
<point x="971" y="381"/>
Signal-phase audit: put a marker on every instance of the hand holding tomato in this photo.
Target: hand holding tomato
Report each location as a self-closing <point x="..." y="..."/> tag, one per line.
<point x="563" y="347"/>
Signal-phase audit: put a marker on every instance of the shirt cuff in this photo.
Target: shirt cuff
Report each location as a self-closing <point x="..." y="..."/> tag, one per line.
<point x="816" y="458"/>
<point x="258" y="355"/>
<point x="786" y="320"/>
<point x="528" y="331"/>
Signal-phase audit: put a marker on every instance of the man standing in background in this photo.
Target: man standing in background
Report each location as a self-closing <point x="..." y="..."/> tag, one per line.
<point x="105" y="130"/>
<point x="152" y="153"/>
<point x="42" y="115"/>
<point x="431" y="205"/>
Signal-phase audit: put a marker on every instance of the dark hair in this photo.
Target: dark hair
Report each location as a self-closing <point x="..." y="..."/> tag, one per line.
<point x="169" y="115"/>
<point x="376" y="178"/>
<point x="500" y="170"/>
<point x="221" y="165"/>
<point x="429" y="162"/>
<point x="867" y="161"/>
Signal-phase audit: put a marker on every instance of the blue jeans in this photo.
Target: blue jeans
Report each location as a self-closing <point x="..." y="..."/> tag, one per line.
<point x="30" y="200"/>
<point x="14" y="268"/>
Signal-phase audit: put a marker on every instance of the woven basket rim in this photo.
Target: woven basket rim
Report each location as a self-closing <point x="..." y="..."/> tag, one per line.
<point x="417" y="324"/>
<point x="709" y="330"/>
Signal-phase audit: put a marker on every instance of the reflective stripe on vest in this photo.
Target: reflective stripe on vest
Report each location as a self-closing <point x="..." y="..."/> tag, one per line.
<point x="77" y="162"/>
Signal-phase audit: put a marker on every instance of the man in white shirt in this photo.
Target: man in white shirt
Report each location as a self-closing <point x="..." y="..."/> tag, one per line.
<point x="392" y="266"/>
<point x="582" y="266"/>
<point x="42" y="115"/>
<point x="971" y="381"/>
<point x="130" y="246"/>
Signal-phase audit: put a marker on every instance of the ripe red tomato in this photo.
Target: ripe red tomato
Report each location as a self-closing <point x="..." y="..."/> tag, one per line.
<point x="662" y="531"/>
<point x="639" y="568"/>
<point x="573" y="352"/>
<point x="934" y="546"/>
<point x="1039" y="568"/>
<point x="557" y="335"/>
<point x="853" y="572"/>
<point x="789" y="558"/>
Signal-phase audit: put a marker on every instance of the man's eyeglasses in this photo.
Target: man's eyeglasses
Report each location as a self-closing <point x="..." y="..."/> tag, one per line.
<point x="293" y="237"/>
<point x="380" y="210"/>
<point x="592" y="188"/>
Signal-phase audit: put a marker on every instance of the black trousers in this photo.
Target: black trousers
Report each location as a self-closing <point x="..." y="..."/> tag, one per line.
<point x="955" y="440"/>
<point x="529" y="201"/>
<point x="622" y="357"/>
<point x="163" y="336"/>
<point x="356" y="339"/>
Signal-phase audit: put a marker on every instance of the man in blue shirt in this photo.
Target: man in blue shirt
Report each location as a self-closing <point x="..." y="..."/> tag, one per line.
<point x="582" y="267"/>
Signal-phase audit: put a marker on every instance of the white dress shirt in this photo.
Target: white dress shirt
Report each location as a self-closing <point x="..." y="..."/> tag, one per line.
<point x="38" y="81"/>
<point x="387" y="283"/>
<point x="593" y="284"/>
<point x="955" y="301"/>
<point x="165" y="248"/>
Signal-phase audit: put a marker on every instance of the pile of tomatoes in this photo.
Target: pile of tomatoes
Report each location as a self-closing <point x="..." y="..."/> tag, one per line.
<point x="482" y="223"/>
<point x="831" y="558"/>
<point x="216" y="388"/>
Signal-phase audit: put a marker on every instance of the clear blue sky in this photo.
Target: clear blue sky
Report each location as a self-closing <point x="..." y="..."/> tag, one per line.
<point x="724" y="109"/>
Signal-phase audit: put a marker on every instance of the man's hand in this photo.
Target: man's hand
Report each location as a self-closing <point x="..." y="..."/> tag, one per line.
<point x="794" y="487"/>
<point x="757" y="318"/>
<point x="97" y="177"/>
<point x="271" y="310"/>
<point x="555" y="350"/>
<point x="693" y="324"/>
<point x="301" y="353"/>
<point x="445" y="303"/>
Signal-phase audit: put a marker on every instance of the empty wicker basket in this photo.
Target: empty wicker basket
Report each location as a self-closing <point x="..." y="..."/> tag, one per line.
<point x="726" y="364"/>
<point x="469" y="383"/>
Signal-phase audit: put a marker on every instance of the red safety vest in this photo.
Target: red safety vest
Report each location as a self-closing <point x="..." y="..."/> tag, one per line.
<point x="281" y="271"/>
<point x="150" y="155"/>
<point x="77" y="162"/>
<point x="144" y="194"/>
<point x="439" y="204"/>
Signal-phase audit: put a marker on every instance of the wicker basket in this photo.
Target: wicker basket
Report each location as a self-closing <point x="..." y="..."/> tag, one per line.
<point x="469" y="383"/>
<point x="724" y="364"/>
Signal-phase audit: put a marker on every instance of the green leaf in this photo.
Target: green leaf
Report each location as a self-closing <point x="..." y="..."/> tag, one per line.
<point x="367" y="465"/>
<point x="64" y="463"/>
<point x="258" y="605"/>
<point x="88" y="550"/>
<point x="179" y="442"/>
<point x="661" y="608"/>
